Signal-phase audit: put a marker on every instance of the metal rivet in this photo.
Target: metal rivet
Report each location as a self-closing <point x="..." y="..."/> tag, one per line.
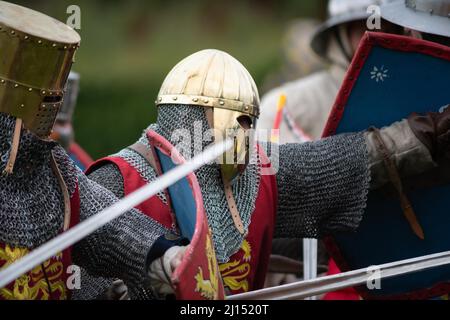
<point x="30" y="89"/>
<point x="13" y="32"/>
<point x="54" y="45"/>
<point x="160" y="99"/>
<point x="16" y="85"/>
<point x="65" y="47"/>
<point x="40" y="41"/>
<point x="22" y="105"/>
<point x="2" y="81"/>
<point x="43" y="92"/>
<point x="156" y="101"/>
<point x="195" y="99"/>
<point x="222" y="103"/>
<point x="26" y="37"/>
<point x="246" y="108"/>
<point x="175" y="98"/>
<point x="205" y="100"/>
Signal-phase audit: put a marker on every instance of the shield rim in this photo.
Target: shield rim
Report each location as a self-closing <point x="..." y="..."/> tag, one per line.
<point x="158" y="141"/>
<point x="399" y="43"/>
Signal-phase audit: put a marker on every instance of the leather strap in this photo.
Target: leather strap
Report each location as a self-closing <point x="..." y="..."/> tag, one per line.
<point x="146" y="153"/>
<point x="232" y="206"/>
<point x="394" y="176"/>
<point x="14" y="147"/>
<point x="63" y="186"/>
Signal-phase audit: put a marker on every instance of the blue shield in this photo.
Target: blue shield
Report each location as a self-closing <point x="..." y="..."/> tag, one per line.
<point x="391" y="77"/>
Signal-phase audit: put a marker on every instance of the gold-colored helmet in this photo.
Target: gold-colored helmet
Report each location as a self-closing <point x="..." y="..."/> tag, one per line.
<point x="36" y="56"/>
<point x="214" y="80"/>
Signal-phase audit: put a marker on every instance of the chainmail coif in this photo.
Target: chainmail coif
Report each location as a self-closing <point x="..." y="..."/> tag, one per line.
<point x="227" y="239"/>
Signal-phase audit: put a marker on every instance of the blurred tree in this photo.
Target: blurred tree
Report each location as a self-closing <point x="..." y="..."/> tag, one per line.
<point x="129" y="46"/>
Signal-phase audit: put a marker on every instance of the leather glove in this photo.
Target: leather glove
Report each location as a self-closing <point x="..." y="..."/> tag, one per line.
<point x="433" y="130"/>
<point x="160" y="270"/>
<point x="409" y="155"/>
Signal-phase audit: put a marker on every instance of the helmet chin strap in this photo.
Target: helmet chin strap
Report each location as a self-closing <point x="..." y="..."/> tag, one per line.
<point x="232" y="206"/>
<point x="14" y="148"/>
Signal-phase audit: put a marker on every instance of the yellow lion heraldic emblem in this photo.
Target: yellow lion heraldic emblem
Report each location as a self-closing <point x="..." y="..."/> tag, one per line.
<point x="234" y="273"/>
<point x="208" y="288"/>
<point x="33" y="284"/>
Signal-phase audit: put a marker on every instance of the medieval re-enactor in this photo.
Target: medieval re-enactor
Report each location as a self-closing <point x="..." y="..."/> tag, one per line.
<point x="42" y="192"/>
<point x="320" y="187"/>
<point x="309" y="99"/>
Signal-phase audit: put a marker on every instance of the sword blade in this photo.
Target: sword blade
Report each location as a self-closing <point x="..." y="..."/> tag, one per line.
<point x="88" y="226"/>
<point x="304" y="289"/>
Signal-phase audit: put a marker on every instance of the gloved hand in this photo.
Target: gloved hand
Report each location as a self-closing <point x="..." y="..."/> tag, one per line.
<point x="160" y="270"/>
<point x="433" y="130"/>
<point x="399" y="143"/>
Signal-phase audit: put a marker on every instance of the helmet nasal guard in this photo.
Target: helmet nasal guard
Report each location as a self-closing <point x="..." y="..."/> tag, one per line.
<point x="214" y="80"/>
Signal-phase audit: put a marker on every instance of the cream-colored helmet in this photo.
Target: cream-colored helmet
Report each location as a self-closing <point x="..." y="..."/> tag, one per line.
<point x="214" y="80"/>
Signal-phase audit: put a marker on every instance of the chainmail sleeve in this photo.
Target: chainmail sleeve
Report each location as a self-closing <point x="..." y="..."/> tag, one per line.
<point x="120" y="248"/>
<point x="322" y="186"/>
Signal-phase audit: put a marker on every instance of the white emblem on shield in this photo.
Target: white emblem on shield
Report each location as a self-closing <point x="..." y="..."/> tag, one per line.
<point x="379" y="74"/>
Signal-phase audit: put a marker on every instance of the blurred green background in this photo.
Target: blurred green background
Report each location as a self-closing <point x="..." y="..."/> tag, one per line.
<point x="129" y="46"/>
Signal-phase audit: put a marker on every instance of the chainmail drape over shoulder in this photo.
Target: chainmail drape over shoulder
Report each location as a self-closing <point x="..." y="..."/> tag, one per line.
<point x="31" y="203"/>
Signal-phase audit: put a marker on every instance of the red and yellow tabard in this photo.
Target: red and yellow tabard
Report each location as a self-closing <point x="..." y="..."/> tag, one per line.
<point x="246" y="269"/>
<point x="45" y="282"/>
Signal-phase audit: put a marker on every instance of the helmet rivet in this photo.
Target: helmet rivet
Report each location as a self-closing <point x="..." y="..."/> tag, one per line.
<point x="54" y="45"/>
<point x="175" y="98"/>
<point x="246" y="108"/>
<point x="16" y="85"/>
<point x="40" y="41"/>
<point x="13" y="32"/>
<point x="65" y="47"/>
<point x="30" y="89"/>
<point x="2" y="81"/>
<point x="222" y="103"/>
<point x="195" y="99"/>
<point x="22" y="105"/>
<point x="43" y="92"/>
<point x="26" y="37"/>
<point x="205" y="100"/>
<point x="160" y="99"/>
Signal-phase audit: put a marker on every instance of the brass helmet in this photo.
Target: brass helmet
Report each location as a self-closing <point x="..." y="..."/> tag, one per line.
<point x="214" y="80"/>
<point x="36" y="57"/>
